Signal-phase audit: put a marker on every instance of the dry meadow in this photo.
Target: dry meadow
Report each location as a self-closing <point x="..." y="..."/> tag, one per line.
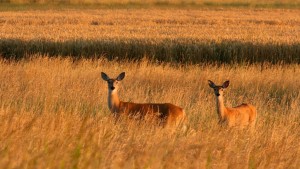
<point x="54" y="114"/>
<point x="53" y="108"/>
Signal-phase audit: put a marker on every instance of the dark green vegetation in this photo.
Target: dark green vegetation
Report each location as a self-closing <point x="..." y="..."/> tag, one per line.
<point x="166" y="50"/>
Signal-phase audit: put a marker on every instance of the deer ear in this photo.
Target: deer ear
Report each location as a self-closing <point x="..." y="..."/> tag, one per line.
<point x="104" y="76"/>
<point x="211" y="84"/>
<point x="121" y="76"/>
<point x="225" y="84"/>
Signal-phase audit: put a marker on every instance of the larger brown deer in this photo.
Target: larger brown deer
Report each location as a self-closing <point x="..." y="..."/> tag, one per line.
<point x="164" y="113"/>
<point x="242" y="115"/>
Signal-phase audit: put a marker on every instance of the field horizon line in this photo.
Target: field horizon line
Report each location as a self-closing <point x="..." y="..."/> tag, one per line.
<point x="15" y="6"/>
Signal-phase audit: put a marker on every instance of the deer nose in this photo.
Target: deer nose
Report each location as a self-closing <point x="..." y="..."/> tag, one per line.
<point x="112" y="88"/>
<point x="218" y="94"/>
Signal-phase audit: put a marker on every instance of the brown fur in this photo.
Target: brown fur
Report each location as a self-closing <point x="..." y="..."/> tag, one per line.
<point x="242" y="115"/>
<point x="163" y="113"/>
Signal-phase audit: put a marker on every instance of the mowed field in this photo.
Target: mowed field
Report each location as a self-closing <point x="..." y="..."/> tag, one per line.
<point x="245" y="25"/>
<point x="54" y="112"/>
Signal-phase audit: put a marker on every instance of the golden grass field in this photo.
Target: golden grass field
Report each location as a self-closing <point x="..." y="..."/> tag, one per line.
<point x="53" y="108"/>
<point x="246" y="25"/>
<point x="54" y="114"/>
<point x="181" y="35"/>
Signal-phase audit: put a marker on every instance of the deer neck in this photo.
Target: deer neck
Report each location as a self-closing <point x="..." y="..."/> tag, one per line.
<point x="113" y="101"/>
<point x="220" y="107"/>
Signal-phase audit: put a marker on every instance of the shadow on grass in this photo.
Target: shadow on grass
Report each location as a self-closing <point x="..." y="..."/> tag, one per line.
<point x="175" y="51"/>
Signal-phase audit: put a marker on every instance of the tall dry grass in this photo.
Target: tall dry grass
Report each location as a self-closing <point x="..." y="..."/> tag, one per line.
<point x="180" y="35"/>
<point x="54" y="114"/>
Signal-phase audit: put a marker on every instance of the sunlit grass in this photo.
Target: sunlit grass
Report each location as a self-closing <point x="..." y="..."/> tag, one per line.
<point x="54" y="114"/>
<point x="53" y="103"/>
<point x="190" y="36"/>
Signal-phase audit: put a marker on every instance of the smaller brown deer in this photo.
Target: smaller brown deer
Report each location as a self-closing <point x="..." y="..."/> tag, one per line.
<point x="242" y="115"/>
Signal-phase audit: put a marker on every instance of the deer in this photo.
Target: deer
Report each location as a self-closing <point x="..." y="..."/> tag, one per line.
<point x="166" y="114"/>
<point x="242" y="115"/>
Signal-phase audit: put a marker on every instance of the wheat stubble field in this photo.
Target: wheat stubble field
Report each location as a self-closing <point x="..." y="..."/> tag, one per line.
<point x="53" y="109"/>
